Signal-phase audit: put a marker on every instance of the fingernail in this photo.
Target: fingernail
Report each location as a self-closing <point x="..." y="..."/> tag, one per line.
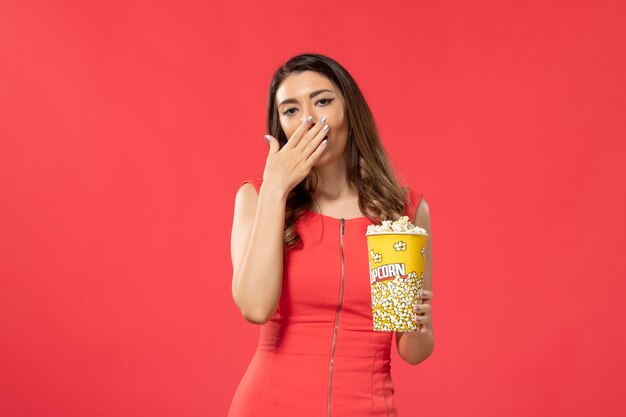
<point x="267" y="138"/>
<point x="309" y="119"/>
<point x="325" y="128"/>
<point x="323" y="119"/>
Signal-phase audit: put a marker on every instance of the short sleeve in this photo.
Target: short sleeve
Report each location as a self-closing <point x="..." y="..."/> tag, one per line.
<point x="413" y="200"/>
<point x="256" y="182"/>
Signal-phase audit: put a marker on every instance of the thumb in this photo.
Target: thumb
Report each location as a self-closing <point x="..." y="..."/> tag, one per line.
<point x="273" y="143"/>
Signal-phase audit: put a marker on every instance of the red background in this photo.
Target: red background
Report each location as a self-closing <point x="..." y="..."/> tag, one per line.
<point x="126" y="127"/>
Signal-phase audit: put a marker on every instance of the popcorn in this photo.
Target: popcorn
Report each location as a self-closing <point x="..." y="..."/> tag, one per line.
<point x="402" y="225"/>
<point x="376" y="257"/>
<point x="396" y="259"/>
<point x="390" y="300"/>
<point x="399" y="246"/>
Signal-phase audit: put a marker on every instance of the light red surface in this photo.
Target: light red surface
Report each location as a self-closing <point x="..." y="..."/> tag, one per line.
<point x="126" y="127"/>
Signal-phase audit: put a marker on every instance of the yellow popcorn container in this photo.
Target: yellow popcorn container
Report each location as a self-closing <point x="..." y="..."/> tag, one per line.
<point x="396" y="261"/>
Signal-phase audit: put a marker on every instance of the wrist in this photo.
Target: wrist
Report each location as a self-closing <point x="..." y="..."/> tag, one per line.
<point x="415" y="347"/>
<point x="274" y="193"/>
<point x="419" y="335"/>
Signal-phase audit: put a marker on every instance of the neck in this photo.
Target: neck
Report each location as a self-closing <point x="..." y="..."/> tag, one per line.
<point x="332" y="182"/>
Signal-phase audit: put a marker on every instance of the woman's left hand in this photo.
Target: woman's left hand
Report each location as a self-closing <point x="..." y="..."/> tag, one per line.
<point x="422" y="312"/>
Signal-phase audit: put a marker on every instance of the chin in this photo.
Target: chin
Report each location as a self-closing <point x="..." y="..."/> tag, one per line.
<point x="321" y="161"/>
<point x="324" y="160"/>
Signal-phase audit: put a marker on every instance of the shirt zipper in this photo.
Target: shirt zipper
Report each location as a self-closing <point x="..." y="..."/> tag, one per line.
<point x="332" y="353"/>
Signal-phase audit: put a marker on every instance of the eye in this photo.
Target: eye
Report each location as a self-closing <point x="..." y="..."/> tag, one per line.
<point x="328" y="100"/>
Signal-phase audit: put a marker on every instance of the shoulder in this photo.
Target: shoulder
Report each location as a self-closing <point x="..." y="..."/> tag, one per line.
<point x="413" y="199"/>
<point x="251" y="184"/>
<point x="247" y="195"/>
<point x="417" y="207"/>
<point x="422" y="215"/>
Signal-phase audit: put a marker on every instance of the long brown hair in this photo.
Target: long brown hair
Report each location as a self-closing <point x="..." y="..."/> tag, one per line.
<point x="368" y="167"/>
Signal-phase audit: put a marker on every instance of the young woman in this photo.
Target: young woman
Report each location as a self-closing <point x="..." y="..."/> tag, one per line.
<point x="300" y="259"/>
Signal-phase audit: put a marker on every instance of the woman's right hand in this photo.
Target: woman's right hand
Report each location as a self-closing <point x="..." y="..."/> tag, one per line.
<point x="286" y="167"/>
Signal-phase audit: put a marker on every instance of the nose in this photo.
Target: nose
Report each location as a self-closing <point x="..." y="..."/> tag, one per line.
<point x="310" y="119"/>
<point x="314" y="120"/>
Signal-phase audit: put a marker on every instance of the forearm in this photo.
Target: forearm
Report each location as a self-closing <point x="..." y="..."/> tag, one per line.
<point x="259" y="280"/>
<point x="415" y="347"/>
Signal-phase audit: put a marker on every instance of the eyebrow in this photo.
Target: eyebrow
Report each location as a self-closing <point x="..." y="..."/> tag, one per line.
<point x="293" y="100"/>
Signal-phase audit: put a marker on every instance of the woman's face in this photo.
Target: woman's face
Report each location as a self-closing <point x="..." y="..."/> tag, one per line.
<point x="305" y="99"/>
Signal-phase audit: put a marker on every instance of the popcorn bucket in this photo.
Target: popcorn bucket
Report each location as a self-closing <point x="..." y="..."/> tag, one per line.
<point x="396" y="261"/>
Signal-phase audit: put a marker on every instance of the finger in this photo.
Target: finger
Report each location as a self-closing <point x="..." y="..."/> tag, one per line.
<point x="421" y="318"/>
<point x="422" y="308"/>
<point x="425" y="294"/>
<point x="273" y="143"/>
<point x="312" y="134"/>
<point x="317" y="139"/>
<point x="318" y="152"/>
<point x="418" y="319"/>
<point x="296" y="136"/>
<point x="421" y="327"/>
